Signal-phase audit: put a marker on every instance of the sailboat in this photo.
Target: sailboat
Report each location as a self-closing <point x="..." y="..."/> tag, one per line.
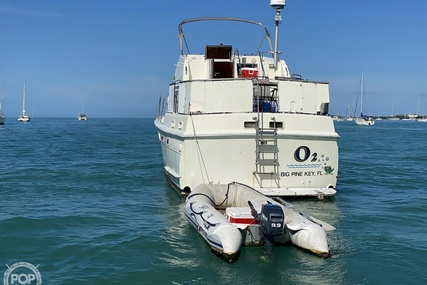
<point x="363" y="119"/>
<point x="393" y="117"/>
<point x="24" y="117"/>
<point x="82" y="116"/>
<point x="422" y="119"/>
<point x="348" y="116"/>
<point x="2" y="117"/>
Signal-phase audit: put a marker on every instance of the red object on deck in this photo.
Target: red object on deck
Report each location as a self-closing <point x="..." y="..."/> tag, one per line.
<point x="240" y="215"/>
<point x="248" y="72"/>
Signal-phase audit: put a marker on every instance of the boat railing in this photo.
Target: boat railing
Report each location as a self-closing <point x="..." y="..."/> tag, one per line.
<point x="298" y="78"/>
<point x="183" y="41"/>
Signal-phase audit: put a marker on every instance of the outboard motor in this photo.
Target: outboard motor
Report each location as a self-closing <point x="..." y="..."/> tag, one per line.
<point x="272" y="222"/>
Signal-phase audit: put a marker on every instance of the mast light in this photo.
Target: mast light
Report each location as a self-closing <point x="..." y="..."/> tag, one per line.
<point x="278" y="4"/>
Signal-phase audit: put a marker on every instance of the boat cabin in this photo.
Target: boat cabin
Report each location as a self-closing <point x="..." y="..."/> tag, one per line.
<point x="222" y="80"/>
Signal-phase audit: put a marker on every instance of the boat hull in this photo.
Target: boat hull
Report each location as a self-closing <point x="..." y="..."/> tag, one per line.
<point x="24" y="118"/>
<point x="364" y="121"/>
<point x="195" y="152"/>
<point x="82" y="117"/>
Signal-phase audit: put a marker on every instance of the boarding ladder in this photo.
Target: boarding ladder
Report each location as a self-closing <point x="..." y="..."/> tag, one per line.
<point x="267" y="151"/>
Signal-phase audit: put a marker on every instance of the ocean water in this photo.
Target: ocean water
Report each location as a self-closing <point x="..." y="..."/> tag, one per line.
<point x="88" y="203"/>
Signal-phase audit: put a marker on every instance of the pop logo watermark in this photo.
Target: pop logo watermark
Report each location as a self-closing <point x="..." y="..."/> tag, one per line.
<point x="22" y="273"/>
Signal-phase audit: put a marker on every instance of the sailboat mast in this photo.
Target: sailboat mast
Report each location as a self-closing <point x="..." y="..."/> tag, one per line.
<point x="23" y="97"/>
<point x="2" y="89"/>
<point x="418" y="106"/>
<point x="361" y="95"/>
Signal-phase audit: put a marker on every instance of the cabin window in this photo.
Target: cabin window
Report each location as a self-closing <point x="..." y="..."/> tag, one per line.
<point x="274" y="124"/>
<point x="250" y="124"/>
<point x="175" y="99"/>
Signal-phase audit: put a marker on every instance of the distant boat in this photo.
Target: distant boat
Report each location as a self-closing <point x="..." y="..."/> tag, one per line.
<point x="2" y="117"/>
<point x="24" y="117"/>
<point x="420" y="118"/>
<point x="393" y="117"/>
<point x="363" y="120"/>
<point x="337" y="118"/>
<point x="82" y="116"/>
<point x="348" y="116"/>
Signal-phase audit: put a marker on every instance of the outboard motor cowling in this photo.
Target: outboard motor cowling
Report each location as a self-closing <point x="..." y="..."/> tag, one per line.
<point x="272" y="220"/>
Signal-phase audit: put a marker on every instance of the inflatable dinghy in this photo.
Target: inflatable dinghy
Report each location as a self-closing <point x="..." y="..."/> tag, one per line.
<point x="228" y="216"/>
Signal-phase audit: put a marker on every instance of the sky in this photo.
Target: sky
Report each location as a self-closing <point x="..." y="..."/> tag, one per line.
<point x="115" y="58"/>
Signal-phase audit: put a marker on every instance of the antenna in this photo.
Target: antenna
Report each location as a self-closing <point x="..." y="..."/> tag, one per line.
<point x="278" y="5"/>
